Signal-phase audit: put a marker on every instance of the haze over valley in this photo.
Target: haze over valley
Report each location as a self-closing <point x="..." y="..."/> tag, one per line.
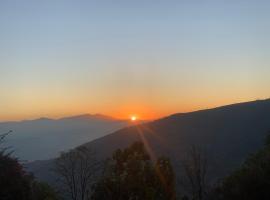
<point x="181" y="90"/>
<point x="45" y="138"/>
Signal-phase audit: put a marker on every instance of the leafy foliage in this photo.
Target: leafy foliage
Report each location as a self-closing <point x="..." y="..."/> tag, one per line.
<point x="16" y="184"/>
<point x="132" y="175"/>
<point x="251" y="181"/>
<point x="42" y="191"/>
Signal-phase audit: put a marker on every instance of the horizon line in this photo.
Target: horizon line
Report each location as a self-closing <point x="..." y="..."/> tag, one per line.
<point x="115" y="118"/>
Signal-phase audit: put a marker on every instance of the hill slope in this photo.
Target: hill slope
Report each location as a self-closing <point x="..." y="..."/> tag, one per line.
<point x="228" y="134"/>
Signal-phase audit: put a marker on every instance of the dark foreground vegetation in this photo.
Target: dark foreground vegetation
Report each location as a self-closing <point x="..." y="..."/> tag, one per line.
<point x="130" y="174"/>
<point x="251" y="181"/>
<point x="135" y="174"/>
<point x="16" y="184"/>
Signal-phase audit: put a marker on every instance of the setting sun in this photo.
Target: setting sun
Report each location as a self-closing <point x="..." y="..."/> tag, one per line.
<point x="133" y="118"/>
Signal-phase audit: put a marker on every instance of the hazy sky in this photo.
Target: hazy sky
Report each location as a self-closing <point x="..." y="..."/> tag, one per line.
<point x="149" y="58"/>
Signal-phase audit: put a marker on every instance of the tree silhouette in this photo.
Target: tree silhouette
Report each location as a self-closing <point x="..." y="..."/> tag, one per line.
<point x="131" y="174"/>
<point x="195" y="167"/>
<point x="15" y="183"/>
<point x="3" y="150"/>
<point x="251" y="181"/>
<point x="76" y="169"/>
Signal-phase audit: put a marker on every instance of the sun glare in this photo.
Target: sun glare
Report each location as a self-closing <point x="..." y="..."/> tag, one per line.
<point x="133" y="118"/>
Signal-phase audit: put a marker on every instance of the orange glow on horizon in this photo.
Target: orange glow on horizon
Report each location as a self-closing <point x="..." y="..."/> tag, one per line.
<point x="124" y="111"/>
<point x="133" y="118"/>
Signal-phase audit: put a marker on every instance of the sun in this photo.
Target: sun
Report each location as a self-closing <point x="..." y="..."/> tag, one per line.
<point x="133" y="118"/>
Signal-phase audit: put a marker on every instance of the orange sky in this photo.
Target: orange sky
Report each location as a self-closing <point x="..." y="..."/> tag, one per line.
<point x="121" y="112"/>
<point x="143" y="58"/>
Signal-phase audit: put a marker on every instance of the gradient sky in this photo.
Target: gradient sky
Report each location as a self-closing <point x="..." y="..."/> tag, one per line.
<point x="150" y="58"/>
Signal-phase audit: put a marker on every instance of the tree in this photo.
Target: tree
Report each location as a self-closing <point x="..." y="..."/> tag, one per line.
<point x="2" y="139"/>
<point x="130" y="174"/>
<point x="42" y="191"/>
<point x="16" y="184"/>
<point x="166" y="178"/>
<point x="251" y="181"/>
<point x="76" y="170"/>
<point x="195" y="167"/>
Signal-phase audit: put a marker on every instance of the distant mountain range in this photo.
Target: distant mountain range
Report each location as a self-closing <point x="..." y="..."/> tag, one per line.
<point x="44" y="138"/>
<point x="228" y="135"/>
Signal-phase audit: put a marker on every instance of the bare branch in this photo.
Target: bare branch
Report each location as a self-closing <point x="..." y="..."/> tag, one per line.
<point x="196" y="167"/>
<point x="76" y="169"/>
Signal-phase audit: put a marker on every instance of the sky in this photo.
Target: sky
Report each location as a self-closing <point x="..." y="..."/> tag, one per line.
<point x="122" y="57"/>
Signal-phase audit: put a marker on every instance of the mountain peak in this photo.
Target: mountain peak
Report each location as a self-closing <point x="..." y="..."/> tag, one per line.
<point x="88" y="116"/>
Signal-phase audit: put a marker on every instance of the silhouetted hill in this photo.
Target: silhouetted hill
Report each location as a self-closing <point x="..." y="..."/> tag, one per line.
<point x="228" y="134"/>
<point x="44" y="138"/>
<point x="96" y="117"/>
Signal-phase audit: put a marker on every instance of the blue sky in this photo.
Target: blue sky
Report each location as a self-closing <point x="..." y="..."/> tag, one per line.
<point x="123" y="57"/>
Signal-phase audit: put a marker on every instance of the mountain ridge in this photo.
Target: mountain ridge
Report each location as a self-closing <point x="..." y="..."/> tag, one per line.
<point x="45" y="138"/>
<point x="79" y="116"/>
<point x="228" y="134"/>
